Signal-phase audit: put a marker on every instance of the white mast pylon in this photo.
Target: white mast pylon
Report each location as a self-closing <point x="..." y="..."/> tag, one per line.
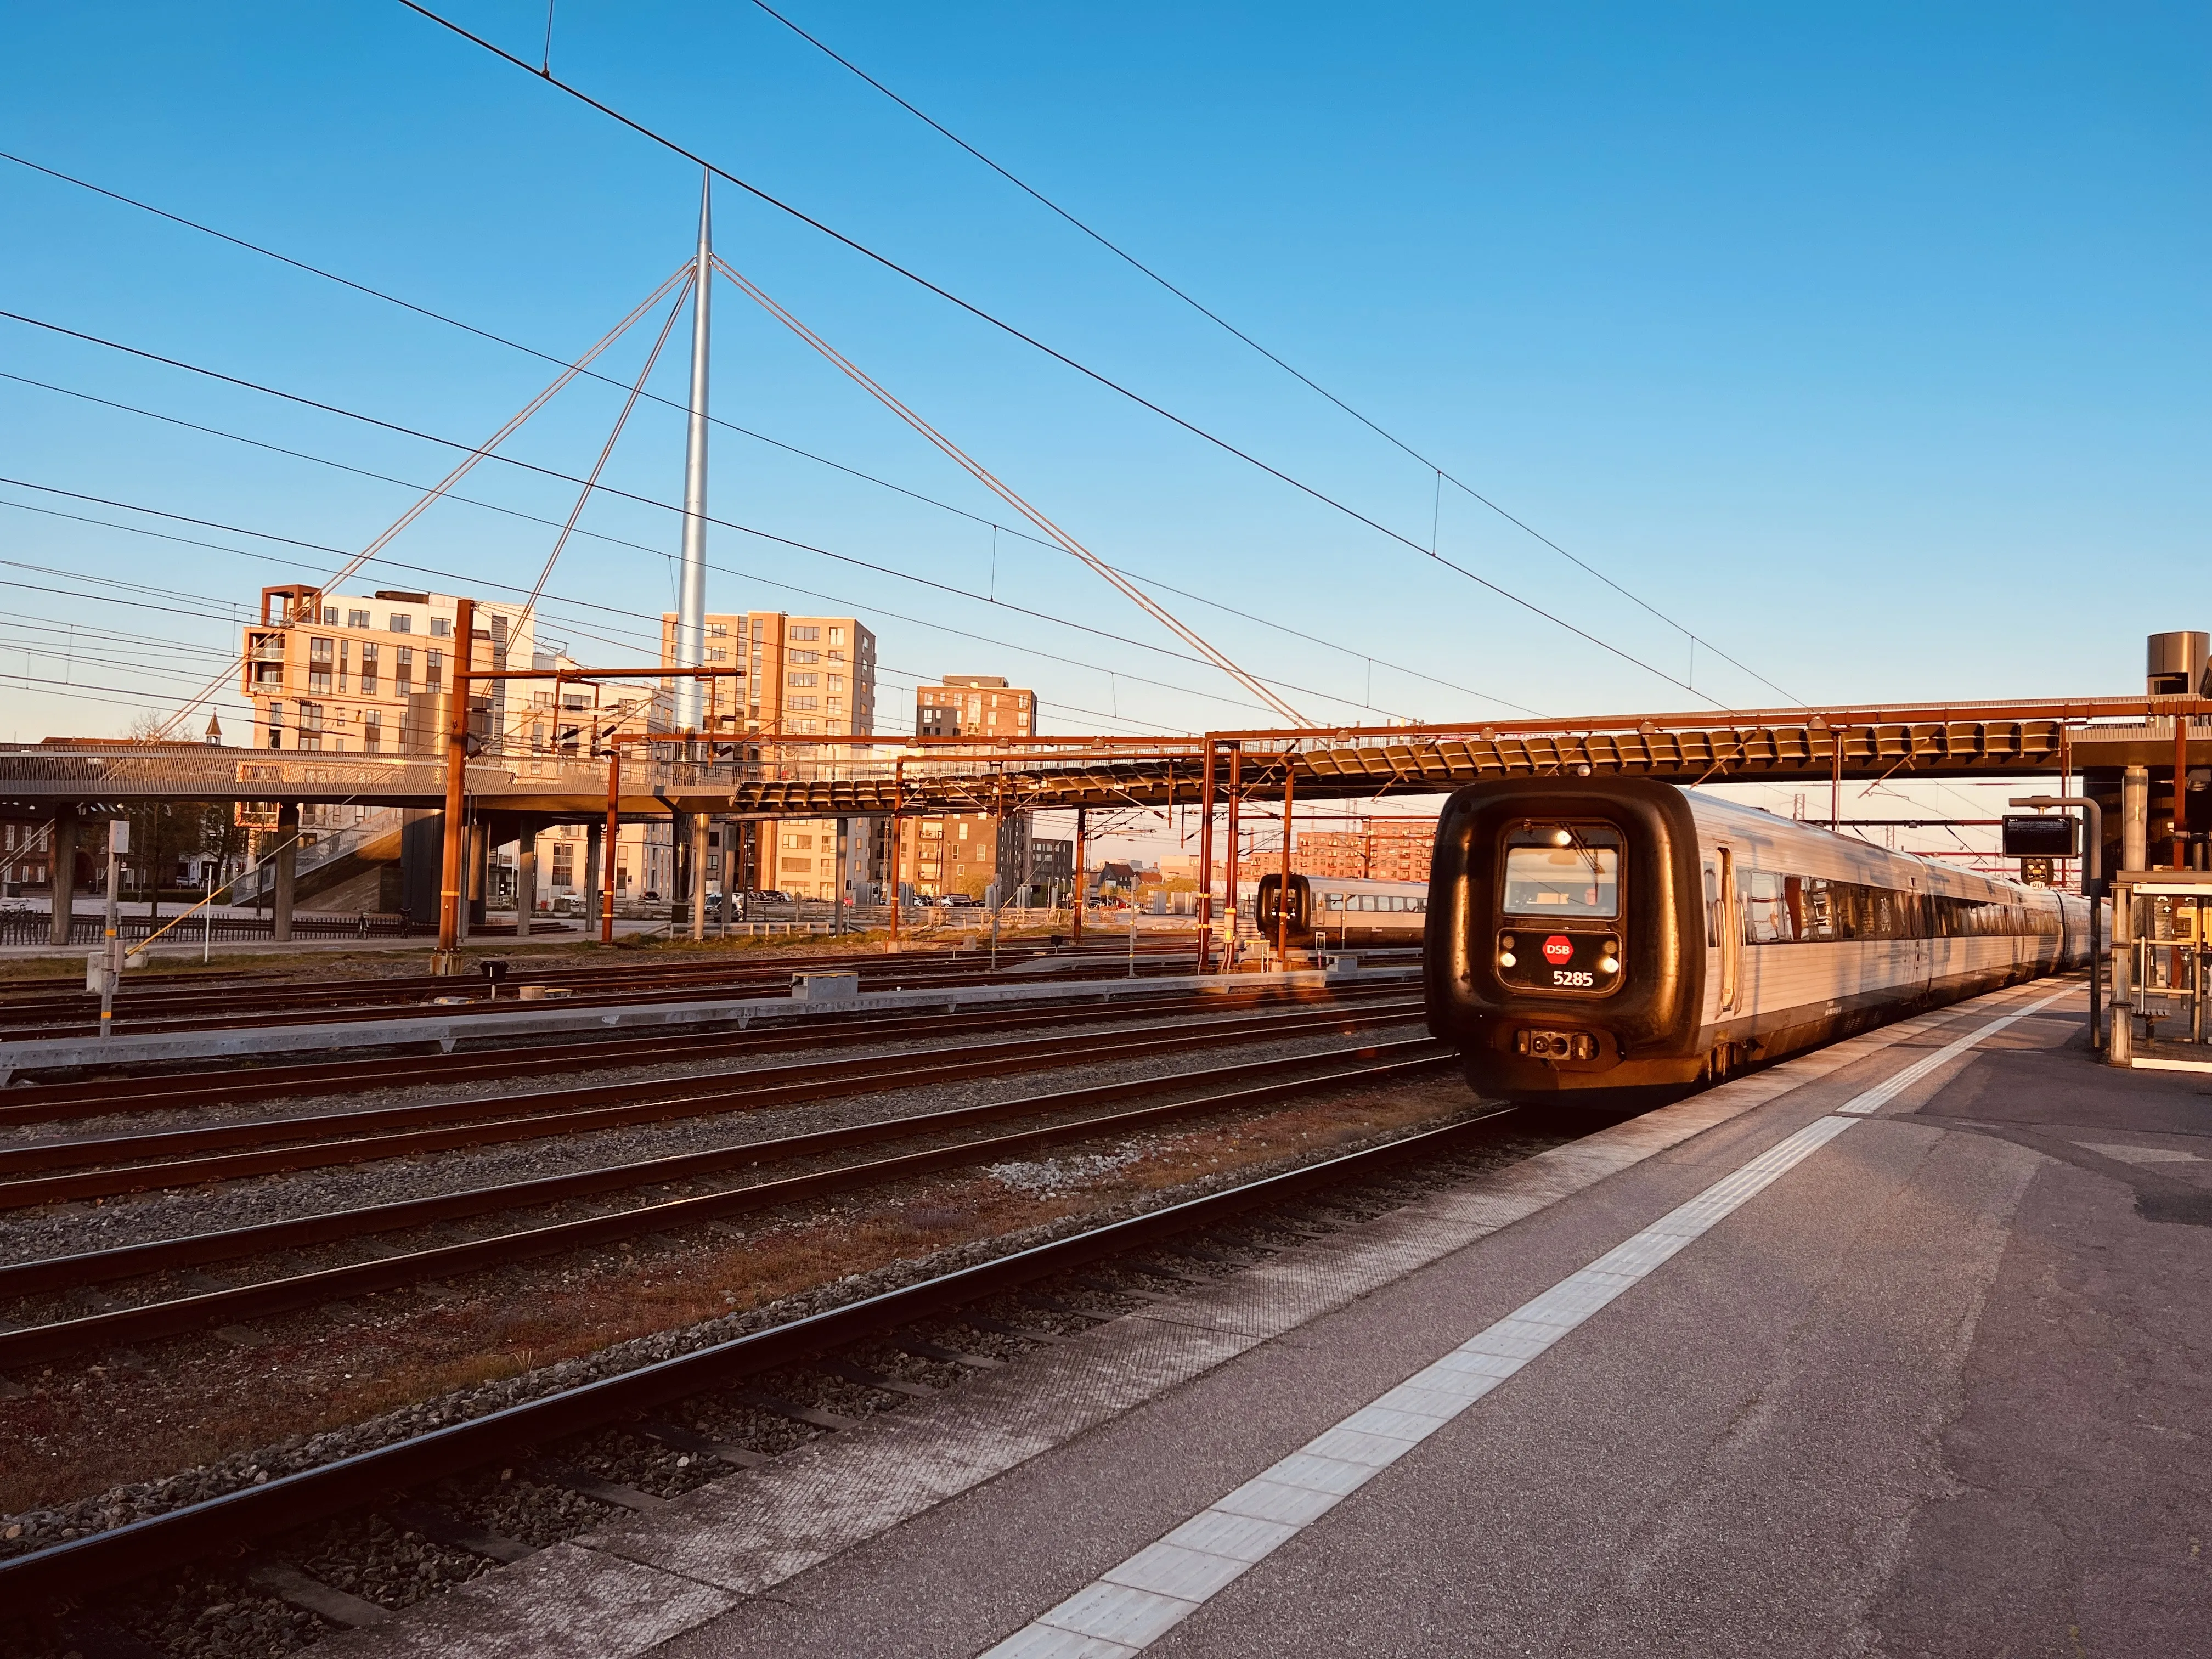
<point x="691" y="589"/>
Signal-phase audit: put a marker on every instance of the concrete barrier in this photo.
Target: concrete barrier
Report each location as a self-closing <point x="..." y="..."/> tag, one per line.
<point x="512" y="1022"/>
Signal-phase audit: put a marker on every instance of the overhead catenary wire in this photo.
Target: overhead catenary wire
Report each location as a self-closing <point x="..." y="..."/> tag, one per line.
<point x="1443" y="475"/>
<point x="607" y="449"/>
<point x="866" y="608"/>
<point x="650" y="640"/>
<point x="1031" y="340"/>
<point x="960" y="458"/>
<point x="949" y="589"/>
<point x="720" y="422"/>
<point x="475" y="454"/>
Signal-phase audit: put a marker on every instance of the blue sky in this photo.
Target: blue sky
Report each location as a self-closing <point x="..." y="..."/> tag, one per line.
<point x="1869" y="342"/>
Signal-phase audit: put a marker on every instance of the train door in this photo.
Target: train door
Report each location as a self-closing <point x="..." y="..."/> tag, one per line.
<point x="1921" y="950"/>
<point x="1727" y="924"/>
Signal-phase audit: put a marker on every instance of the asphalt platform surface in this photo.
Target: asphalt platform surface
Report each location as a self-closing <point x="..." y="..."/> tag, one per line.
<point x="1939" y="1388"/>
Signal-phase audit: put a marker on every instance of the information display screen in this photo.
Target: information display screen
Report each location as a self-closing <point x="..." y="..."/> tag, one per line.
<point x="2042" y="836"/>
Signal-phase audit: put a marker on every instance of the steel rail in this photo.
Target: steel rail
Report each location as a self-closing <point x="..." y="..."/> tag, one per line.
<point x="215" y="1526"/>
<point x="167" y="1091"/>
<point x="188" y="1250"/>
<point x="930" y="974"/>
<point x="39" y="1344"/>
<point x="76" y="1151"/>
<point x="406" y="988"/>
<point x="551" y="970"/>
<point x="477" y="1123"/>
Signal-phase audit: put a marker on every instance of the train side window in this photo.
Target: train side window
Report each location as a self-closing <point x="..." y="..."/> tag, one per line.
<point x="1765" y="921"/>
<point x="1712" y="907"/>
<point x="1333" y="901"/>
<point x="1820" y="923"/>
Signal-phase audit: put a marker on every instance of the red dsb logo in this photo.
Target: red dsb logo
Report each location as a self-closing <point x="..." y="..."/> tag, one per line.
<point x="1559" y="948"/>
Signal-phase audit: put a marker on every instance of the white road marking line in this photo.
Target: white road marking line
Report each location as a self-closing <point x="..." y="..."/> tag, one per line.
<point x="1132" y="1606"/>
<point x="1882" y="1094"/>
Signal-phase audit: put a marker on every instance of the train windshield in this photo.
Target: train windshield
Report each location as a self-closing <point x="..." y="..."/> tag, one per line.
<point x="1562" y="870"/>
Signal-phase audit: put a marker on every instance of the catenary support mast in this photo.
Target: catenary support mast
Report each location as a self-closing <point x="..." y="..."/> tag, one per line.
<point x="692" y="592"/>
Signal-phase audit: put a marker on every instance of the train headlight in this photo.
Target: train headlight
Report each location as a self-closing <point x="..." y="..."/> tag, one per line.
<point x="1608" y="964"/>
<point x="1505" y="958"/>
<point x="1562" y="837"/>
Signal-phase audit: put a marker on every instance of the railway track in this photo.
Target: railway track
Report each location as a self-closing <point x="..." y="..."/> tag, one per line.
<point x="100" y="1166"/>
<point x="144" y="1092"/>
<point x="1206" y="1091"/>
<point x="147" y="1008"/>
<point x="627" y="1439"/>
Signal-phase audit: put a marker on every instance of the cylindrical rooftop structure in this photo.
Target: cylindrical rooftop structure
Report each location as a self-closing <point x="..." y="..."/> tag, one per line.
<point x="2179" y="664"/>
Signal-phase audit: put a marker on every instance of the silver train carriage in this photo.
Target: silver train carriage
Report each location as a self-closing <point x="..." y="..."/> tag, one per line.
<point x="1603" y="933"/>
<point x="1327" y="912"/>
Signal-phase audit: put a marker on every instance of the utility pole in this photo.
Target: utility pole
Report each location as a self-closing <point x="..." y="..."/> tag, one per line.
<point x="110" y="966"/>
<point x="454" y="862"/>
<point x="691" y="589"/>
<point x="2093" y="889"/>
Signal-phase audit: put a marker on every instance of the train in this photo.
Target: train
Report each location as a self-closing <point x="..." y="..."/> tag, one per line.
<point x="1591" y="936"/>
<point x="1328" y="913"/>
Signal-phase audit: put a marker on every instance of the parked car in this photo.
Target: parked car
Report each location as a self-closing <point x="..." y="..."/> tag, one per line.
<point x="959" y="902"/>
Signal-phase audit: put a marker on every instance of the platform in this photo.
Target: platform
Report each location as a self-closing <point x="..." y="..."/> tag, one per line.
<point x="1895" y="1348"/>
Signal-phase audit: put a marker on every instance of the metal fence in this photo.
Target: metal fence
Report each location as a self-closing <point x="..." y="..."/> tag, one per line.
<point x="36" y="928"/>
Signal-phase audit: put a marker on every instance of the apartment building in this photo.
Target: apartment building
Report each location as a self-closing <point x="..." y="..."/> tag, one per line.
<point x="1380" y="849"/>
<point x="798" y="676"/>
<point x="974" y="705"/>
<point x="968" y="852"/>
<point x="971" y="852"/>
<point x="364" y="674"/>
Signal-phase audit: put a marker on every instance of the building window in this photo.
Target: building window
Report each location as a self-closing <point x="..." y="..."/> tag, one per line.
<point x="834" y="705"/>
<point x="369" y="664"/>
<point x="799" y="703"/>
<point x="837" y="637"/>
<point x="718" y="630"/>
<point x="403" y="623"/>
<point x="564" y="864"/>
<point x="441" y="627"/>
<point x="803" y="659"/>
<point x="319" y="679"/>
<point x="356" y="619"/>
<point x="798" y="841"/>
<point x="321" y="650"/>
<point x="372" y="732"/>
<point x="801" y="677"/>
<point x="715" y="654"/>
<point x="433" y="667"/>
<point x="810" y="634"/>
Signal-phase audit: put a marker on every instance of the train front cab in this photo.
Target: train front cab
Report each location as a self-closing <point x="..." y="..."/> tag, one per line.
<point x="1267" y="907"/>
<point x="1566" y="938"/>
